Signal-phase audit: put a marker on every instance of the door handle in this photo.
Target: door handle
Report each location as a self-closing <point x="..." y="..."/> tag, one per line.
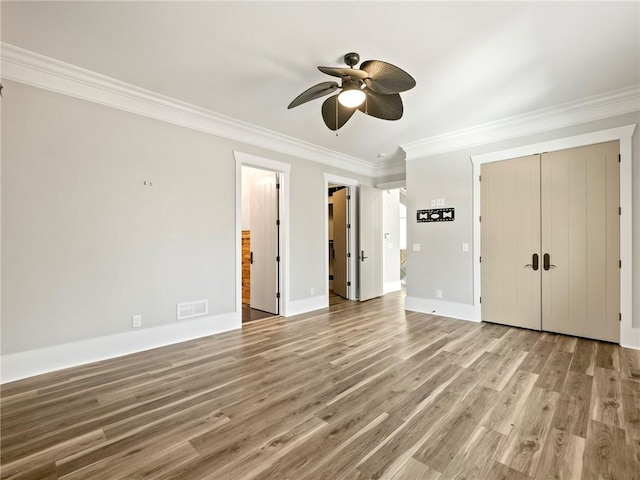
<point x="251" y="258"/>
<point x="362" y="257"/>
<point x="534" y="262"/>
<point x="547" y="262"/>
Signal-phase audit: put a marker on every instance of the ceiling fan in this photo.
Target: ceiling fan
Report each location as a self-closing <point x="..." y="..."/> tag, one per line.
<point x="374" y="89"/>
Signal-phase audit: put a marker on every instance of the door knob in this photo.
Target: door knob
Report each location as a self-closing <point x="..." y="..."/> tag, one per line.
<point x="547" y="262"/>
<point x="534" y="262"/>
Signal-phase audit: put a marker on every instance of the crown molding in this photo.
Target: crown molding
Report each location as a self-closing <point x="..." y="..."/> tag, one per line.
<point x="44" y="72"/>
<point x="610" y="104"/>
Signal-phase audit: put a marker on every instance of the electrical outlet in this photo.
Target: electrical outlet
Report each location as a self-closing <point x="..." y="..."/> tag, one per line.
<point x="438" y="293"/>
<point x="137" y="321"/>
<point x="465" y="247"/>
<point x="416" y="247"/>
<point x="312" y="291"/>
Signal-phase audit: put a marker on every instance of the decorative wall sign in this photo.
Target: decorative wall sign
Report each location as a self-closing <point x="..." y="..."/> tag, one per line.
<point x="436" y="215"/>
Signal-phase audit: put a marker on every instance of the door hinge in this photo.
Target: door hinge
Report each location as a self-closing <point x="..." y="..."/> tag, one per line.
<point x="349" y="255"/>
<point x="278" y="258"/>
<point x="480" y="299"/>
<point x="348" y="225"/>
<point x="620" y="317"/>
<point x="348" y="197"/>
<point x="480" y="218"/>
<point x="619" y="263"/>
<point x="348" y="284"/>
<point x="479" y="178"/>
<point x="278" y="295"/>
<point x="619" y="158"/>
<point x="278" y="222"/>
<point x="480" y="259"/>
<point x="619" y="210"/>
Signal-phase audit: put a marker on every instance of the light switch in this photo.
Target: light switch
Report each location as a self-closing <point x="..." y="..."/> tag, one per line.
<point x="416" y="247"/>
<point x="433" y="202"/>
<point x="465" y="247"/>
<point x="440" y="202"/>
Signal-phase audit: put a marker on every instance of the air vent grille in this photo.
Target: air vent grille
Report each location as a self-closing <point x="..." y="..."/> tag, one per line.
<point x="193" y="309"/>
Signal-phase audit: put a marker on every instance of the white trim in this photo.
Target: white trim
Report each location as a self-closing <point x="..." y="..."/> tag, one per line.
<point x="246" y="159"/>
<point x="461" y="311"/>
<point x="610" y="104"/>
<point x="390" y="287"/>
<point x="35" y="362"/>
<point x="351" y="183"/>
<point x="305" y="305"/>
<point x="40" y="71"/>
<point x="629" y="336"/>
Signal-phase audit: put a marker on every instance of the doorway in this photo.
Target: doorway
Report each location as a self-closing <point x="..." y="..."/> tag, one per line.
<point x="339" y="230"/>
<point x="275" y="170"/>
<point x="260" y="244"/>
<point x="550" y="241"/>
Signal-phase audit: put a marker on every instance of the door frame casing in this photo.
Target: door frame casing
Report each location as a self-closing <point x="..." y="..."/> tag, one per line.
<point x="629" y="336"/>
<point x="282" y="169"/>
<point x="351" y="184"/>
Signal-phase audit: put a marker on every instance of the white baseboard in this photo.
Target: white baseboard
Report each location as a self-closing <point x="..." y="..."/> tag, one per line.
<point x="460" y="311"/>
<point x="392" y="287"/>
<point x="305" y="305"/>
<point x="35" y="362"/>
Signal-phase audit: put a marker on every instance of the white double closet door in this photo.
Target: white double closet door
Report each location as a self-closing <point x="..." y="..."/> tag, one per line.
<point x="550" y="246"/>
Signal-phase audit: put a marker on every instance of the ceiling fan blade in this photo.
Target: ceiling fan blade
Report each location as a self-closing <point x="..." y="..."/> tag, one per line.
<point x="317" y="91"/>
<point x="386" y="107"/>
<point x="329" y="113"/>
<point x="344" y="72"/>
<point x="386" y="78"/>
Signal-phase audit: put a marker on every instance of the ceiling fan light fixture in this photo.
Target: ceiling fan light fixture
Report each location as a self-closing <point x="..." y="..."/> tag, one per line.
<point x="351" y="96"/>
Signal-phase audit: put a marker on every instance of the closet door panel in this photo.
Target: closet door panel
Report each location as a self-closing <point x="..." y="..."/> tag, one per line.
<point x="580" y="233"/>
<point x="510" y="235"/>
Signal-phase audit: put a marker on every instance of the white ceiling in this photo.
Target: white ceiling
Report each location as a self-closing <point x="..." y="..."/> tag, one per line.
<point x="474" y="62"/>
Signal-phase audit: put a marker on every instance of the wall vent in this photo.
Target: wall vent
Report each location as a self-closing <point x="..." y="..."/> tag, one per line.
<point x="193" y="309"/>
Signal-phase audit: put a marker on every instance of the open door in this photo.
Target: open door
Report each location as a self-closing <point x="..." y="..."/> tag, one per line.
<point x="264" y="244"/>
<point x="340" y="243"/>
<point x="370" y="234"/>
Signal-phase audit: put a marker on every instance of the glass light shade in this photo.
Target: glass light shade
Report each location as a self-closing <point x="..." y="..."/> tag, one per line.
<point x="351" y="97"/>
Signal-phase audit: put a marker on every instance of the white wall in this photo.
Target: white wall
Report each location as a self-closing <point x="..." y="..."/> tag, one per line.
<point x="86" y="245"/>
<point x="391" y="228"/>
<point x="441" y="263"/>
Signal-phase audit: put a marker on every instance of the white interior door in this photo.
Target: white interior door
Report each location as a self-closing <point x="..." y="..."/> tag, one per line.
<point x="581" y="241"/>
<point x="264" y="243"/>
<point x="340" y="243"/>
<point x="510" y="242"/>
<point x="370" y="235"/>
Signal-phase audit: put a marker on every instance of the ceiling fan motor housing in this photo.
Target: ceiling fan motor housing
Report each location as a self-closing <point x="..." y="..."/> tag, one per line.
<point x="351" y="59"/>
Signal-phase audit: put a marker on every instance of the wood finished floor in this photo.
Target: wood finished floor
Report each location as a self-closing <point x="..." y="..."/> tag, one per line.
<point x="355" y="391"/>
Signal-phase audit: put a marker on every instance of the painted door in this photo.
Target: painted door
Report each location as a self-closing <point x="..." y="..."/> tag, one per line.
<point x="264" y="244"/>
<point x="581" y="241"/>
<point x="510" y="242"/>
<point x="564" y="207"/>
<point x="340" y="243"/>
<point x="370" y="243"/>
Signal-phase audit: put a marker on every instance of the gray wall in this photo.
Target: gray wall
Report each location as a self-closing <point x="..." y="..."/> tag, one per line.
<point x="85" y="245"/>
<point x="441" y="263"/>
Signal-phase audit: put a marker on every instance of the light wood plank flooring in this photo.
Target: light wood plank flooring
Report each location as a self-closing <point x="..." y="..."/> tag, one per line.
<point x="355" y="391"/>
